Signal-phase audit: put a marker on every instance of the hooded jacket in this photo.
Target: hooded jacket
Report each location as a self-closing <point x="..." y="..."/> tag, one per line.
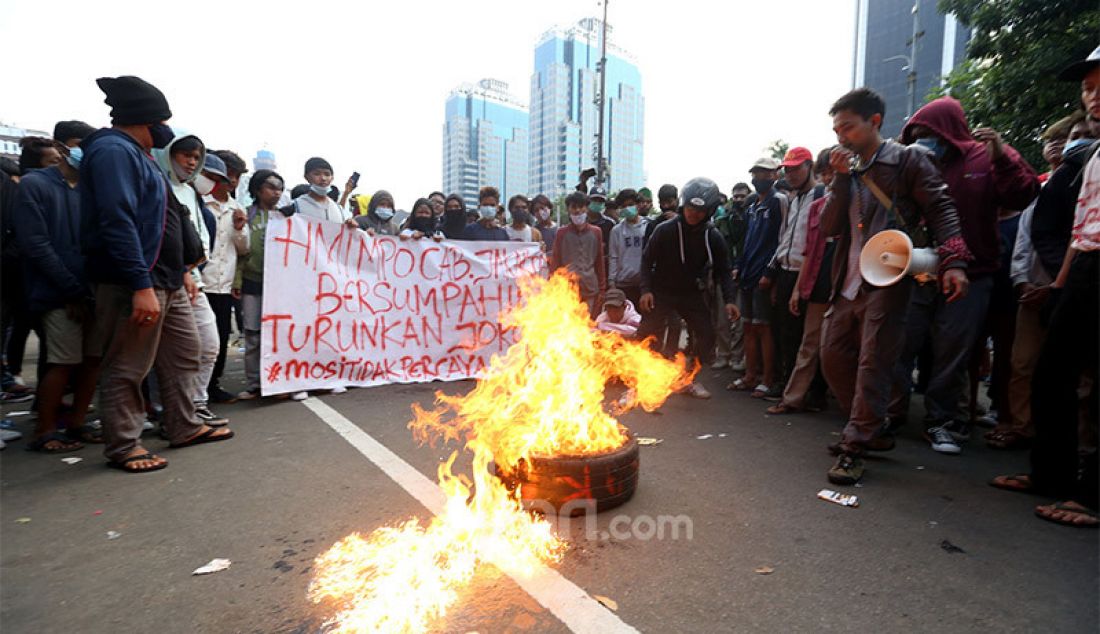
<point x="47" y="230"/>
<point x="679" y="256"/>
<point x="201" y="219"/>
<point x="370" y="220"/>
<point x="123" y="202"/>
<point x="979" y="186"/>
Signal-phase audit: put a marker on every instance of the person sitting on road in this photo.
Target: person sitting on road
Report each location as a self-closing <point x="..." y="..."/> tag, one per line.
<point x="618" y="314"/>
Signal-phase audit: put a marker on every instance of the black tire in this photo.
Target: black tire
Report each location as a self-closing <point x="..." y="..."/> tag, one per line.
<point x="563" y="484"/>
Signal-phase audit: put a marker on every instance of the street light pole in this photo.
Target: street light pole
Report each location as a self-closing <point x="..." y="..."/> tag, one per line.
<point x="601" y="169"/>
<point x="910" y="64"/>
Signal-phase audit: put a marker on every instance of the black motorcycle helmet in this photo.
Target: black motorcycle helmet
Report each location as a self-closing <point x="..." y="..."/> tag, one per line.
<point x="700" y="193"/>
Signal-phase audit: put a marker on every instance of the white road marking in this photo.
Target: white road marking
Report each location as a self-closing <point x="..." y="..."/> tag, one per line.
<point x="565" y="600"/>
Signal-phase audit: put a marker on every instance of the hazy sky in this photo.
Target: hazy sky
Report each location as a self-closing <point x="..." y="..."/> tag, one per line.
<point x="363" y="84"/>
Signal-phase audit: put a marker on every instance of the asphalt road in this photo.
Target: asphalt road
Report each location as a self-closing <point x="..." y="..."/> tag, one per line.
<point x="932" y="548"/>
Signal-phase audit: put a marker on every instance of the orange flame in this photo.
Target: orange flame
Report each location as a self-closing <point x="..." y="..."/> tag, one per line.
<point x="543" y="397"/>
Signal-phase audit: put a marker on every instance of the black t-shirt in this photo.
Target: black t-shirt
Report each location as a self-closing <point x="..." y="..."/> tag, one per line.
<point x="168" y="270"/>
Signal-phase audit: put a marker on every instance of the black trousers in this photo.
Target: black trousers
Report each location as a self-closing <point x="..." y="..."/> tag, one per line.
<point x="693" y="309"/>
<point x="786" y="328"/>
<point x="1069" y="350"/>
<point x="222" y="305"/>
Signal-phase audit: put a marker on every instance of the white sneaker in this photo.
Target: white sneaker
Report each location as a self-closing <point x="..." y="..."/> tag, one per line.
<point x="340" y="389"/>
<point x="148" y="426"/>
<point x="299" y="396"/>
<point x="738" y="366"/>
<point x="696" y="390"/>
<point x="8" y="435"/>
<point x="941" y="441"/>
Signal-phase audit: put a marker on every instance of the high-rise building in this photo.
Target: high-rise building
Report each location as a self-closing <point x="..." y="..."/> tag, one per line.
<point x="264" y="160"/>
<point x="9" y="140"/>
<point x="564" y="112"/>
<point x="884" y="33"/>
<point x="484" y="141"/>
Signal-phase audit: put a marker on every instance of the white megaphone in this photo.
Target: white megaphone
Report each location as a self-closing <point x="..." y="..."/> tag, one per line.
<point x="889" y="256"/>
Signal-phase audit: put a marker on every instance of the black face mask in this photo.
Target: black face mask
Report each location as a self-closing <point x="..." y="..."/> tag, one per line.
<point x="762" y="185"/>
<point x="423" y="225"/>
<point x="521" y="217"/>
<point x="162" y="135"/>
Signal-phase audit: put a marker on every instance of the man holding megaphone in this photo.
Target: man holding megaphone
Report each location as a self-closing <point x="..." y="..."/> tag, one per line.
<point x="879" y="185"/>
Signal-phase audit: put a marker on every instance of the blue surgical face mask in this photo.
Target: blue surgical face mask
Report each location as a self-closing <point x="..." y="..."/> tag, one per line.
<point x="75" y="156"/>
<point x="1076" y="143"/>
<point x="933" y="145"/>
<point x="596" y="207"/>
<point x="385" y="213"/>
<point x="486" y="212"/>
<point x="629" y="213"/>
<point x="320" y="190"/>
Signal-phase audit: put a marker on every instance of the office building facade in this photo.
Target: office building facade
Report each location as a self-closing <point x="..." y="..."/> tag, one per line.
<point x="485" y="141"/>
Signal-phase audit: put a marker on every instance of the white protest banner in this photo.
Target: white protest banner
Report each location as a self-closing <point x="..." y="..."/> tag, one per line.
<point x="344" y="308"/>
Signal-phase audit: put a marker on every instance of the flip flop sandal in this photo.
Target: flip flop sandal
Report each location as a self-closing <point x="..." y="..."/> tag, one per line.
<point x="1061" y="506"/>
<point x="121" y="464"/>
<point x="740" y="385"/>
<point x="1014" y="483"/>
<point x="760" y="391"/>
<point x="778" y="410"/>
<point x="210" y="435"/>
<point x="67" y="444"/>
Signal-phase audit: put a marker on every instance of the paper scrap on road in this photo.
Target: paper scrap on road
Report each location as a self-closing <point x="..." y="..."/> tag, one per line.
<point x="835" y="497"/>
<point x="722" y="435"/>
<point x="704" y="436"/>
<point x="113" y="534"/>
<point x="23" y="520"/>
<point x="764" y="570"/>
<point x="607" y="602"/>
<point x="645" y="442"/>
<point x="215" y="565"/>
<point x="71" y="460"/>
<point x="19" y="413"/>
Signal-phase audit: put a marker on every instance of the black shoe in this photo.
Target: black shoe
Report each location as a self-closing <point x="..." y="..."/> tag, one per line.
<point x="210" y="419"/>
<point x="218" y="395"/>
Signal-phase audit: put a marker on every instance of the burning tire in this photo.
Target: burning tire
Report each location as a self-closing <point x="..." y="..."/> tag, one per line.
<point x="576" y="485"/>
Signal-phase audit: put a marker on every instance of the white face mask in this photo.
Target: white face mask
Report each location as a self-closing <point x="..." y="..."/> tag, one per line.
<point x="543" y="214"/>
<point x="385" y="213"/>
<point x="181" y="172"/>
<point x="320" y="190"/>
<point x="578" y="219"/>
<point x="204" y="185"/>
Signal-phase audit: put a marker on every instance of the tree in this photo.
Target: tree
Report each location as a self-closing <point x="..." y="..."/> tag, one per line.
<point x="778" y="149"/>
<point x="1008" y="79"/>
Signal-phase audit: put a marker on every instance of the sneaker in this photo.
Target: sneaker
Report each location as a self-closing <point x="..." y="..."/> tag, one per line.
<point x="16" y="397"/>
<point x="737" y="366"/>
<point x="249" y="395"/>
<point x="7" y="423"/>
<point x="8" y="435"/>
<point x="959" y="430"/>
<point x="340" y="389"/>
<point x="18" y="380"/>
<point x="720" y="364"/>
<point x="941" y="441"/>
<point x="148" y="426"/>
<point x="696" y="390"/>
<point x="218" y="395"/>
<point x="847" y="470"/>
<point x="3" y="444"/>
<point x="988" y="421"/>
<point x="210" y="419"/>
<point x="299" y="396"/>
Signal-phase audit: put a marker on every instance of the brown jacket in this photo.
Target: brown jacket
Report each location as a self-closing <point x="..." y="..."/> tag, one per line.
<point x="905" y="174"/>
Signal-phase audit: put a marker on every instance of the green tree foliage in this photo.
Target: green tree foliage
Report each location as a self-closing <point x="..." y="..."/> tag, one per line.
<point x="1008" y="80"/>
<point x="778" y="149"/>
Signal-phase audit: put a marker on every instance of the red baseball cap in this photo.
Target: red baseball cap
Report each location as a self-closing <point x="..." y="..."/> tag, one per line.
<point x="796" y="156"/>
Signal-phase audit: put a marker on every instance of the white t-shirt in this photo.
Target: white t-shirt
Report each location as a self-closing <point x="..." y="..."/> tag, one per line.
<point x="322" y="209"/>
<point x="1086" y="220"/>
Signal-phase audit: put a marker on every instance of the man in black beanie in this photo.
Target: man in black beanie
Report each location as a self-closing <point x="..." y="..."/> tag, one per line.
<point x="133" y="241"/>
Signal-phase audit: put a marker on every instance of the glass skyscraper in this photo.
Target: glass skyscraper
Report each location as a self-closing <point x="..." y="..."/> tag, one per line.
<point x="484" y="141"/>
<point x="883" y="31"/>
<point x="564" y="113"/>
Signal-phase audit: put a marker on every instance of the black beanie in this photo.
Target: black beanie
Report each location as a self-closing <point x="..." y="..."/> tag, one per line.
<point x="317" y="163"/>
<point x="133" y="100"/>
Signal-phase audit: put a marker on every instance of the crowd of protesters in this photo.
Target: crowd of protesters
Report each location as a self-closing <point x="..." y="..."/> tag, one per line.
<point x="127" y="251"/>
